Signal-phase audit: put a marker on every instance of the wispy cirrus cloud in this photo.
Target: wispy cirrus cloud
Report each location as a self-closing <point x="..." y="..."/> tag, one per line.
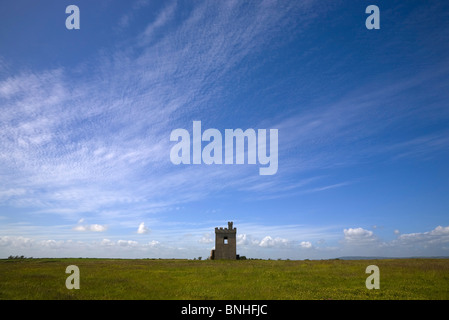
<point x="109" y="127"/>
<point x="93" y="140"/>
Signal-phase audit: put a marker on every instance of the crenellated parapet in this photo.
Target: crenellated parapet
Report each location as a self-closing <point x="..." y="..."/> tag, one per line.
<point x="225" y="230"/>
<point x="229" y="229"/>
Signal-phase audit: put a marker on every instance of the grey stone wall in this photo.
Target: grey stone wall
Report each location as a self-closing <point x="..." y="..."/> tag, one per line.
<point x="225" y="243"/>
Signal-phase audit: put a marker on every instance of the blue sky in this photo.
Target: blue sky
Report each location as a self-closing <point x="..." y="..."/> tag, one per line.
<point x="86" y="117"/>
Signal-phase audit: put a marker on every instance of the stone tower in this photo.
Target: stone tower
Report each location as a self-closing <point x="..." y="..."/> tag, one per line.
<point x="225" y="243"/>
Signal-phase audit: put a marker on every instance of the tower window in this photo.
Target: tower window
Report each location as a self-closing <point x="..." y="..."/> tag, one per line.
<point x="225" y="240"/>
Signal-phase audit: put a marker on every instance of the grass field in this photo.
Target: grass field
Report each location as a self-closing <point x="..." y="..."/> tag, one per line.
<point x="235" y="280"/>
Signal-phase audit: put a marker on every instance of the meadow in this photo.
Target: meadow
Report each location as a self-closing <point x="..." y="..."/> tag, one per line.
<point x="105" y="279"/>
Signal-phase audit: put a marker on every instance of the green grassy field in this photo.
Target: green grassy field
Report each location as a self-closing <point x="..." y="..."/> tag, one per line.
<point x="244" y="279"/>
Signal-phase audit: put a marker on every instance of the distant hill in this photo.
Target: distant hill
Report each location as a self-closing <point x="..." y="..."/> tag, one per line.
<point x="378" y="258"/>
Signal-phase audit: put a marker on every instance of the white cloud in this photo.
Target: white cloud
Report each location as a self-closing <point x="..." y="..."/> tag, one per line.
<point x="29" y="247"/>
<point x="269" y="242"/>
<point x="106" y="242"/>
<point x="440" y="231"/>
<point x="126" y="243"/>
<point x="142" y="229"/>
<point x="306" y="244"/>
<point x="154" y="243"/>
<point x="91" y="227"/>
<point x="206" y="238"/>
<point x="358" y="235"/>
<point x="433" y="242"/>
<point x="97" y="228"/>
<point x="359" y="241"/>
<point x="10" y="241"/>
<point x="51" y="243"/>
<point x="437" y="236"/>
<point x="244" y="239"/>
